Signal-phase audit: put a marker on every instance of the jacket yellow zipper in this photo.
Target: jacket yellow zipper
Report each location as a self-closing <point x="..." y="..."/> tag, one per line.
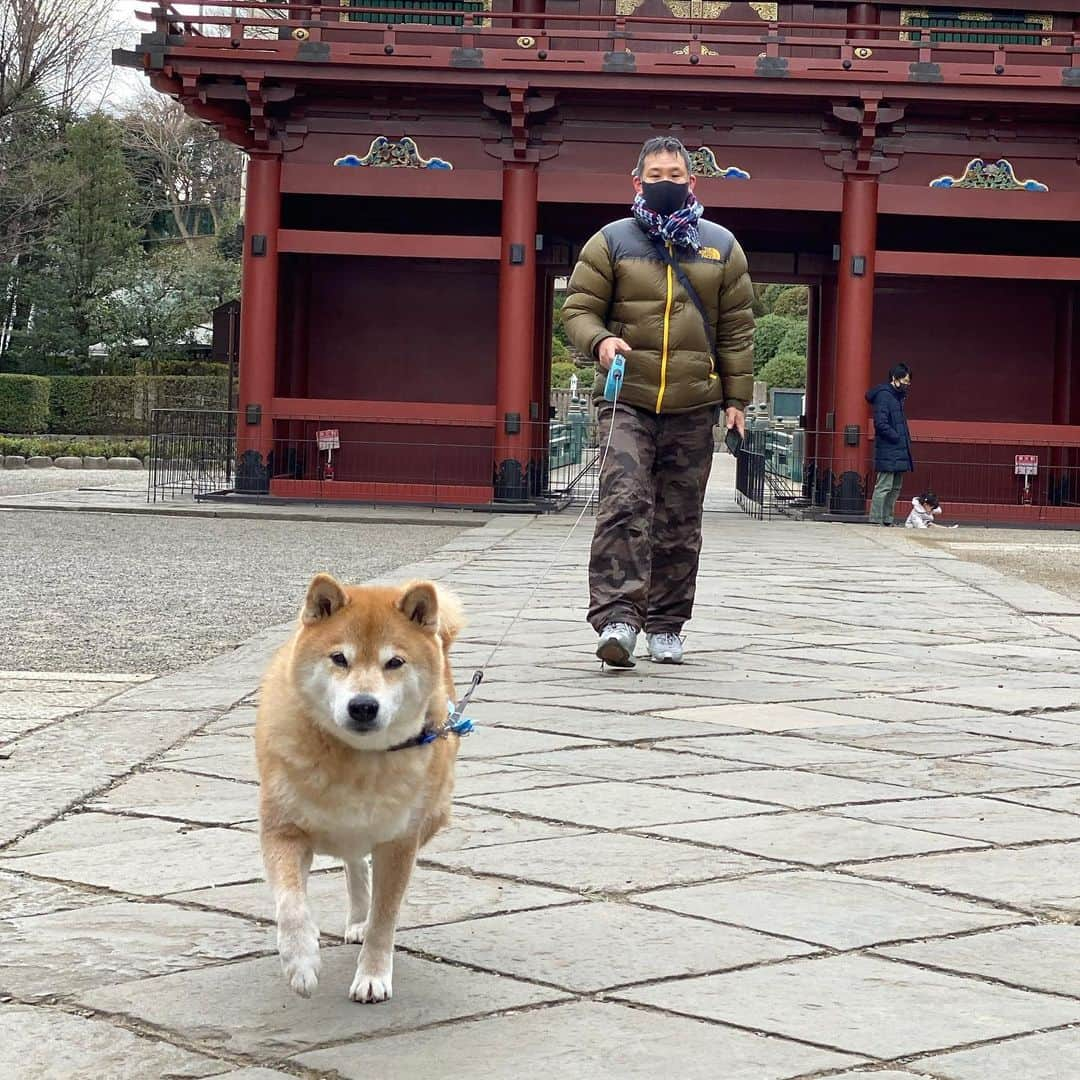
<point x="667" y="336"/>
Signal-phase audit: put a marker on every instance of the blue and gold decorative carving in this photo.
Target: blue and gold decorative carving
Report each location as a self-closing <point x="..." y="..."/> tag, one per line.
<point x="703" y="163"/>
<point x="989" y="175"/>
<point x="387" y="153"/>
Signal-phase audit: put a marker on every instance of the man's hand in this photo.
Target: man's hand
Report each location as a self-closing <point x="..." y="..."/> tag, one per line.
<point x="607" y="349"/>
<point x="734" y="418"/>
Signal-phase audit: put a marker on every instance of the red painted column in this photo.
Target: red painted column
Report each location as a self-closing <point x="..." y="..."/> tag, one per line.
<point x="529" y="7"/>
<point x="258" y="323"/>
<point x="854" y="341"/>
<point x="515" y="476"/>
<point x="863" y="15"/>
<point x="1062" y="485"/>
<point x="824" y="398"/>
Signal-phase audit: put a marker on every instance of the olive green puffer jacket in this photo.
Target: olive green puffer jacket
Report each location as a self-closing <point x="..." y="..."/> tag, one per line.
<point x="622" y="287"/>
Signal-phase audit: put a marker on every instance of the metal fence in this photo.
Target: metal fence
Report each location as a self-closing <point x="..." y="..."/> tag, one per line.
<point x="808" y="474"/>
<point x="192" y="452"/>
<point x="197" y="454"/>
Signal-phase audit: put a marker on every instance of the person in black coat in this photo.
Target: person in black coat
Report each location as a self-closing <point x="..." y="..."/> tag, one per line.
<point x="892" y="443"/>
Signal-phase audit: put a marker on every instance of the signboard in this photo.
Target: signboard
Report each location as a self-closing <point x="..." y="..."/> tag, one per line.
<point x="328" y="439"/>
<point x="1027" y="464"/>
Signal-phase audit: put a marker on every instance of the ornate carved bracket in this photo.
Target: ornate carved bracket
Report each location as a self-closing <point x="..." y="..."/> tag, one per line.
<point x="518" y="108"/>
<point x="866" y="121"/>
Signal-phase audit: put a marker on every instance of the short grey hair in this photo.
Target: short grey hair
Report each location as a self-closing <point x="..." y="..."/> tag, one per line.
<point x="662" y="144"/>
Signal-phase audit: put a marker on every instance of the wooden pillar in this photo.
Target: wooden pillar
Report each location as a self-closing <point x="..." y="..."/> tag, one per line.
<point x="854" y="341"/>
<point x="258" y="324"/>
<point x="533" y="8"/>
<point x="826" y="381"/>
<point x="862" y="15"/>
<point x="1062" y="486"/>
<point x="515" y="471"/>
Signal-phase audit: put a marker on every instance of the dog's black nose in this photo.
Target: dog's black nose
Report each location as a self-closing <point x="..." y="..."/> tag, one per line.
<point x="362" y="711"/>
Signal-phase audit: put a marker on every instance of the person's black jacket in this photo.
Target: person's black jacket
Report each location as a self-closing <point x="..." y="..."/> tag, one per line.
<point x="892" y="442"/>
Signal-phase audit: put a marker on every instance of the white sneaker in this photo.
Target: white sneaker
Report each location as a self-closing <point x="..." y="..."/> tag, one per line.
<point x="666" y="648"/>
<point x="616" y="645"/>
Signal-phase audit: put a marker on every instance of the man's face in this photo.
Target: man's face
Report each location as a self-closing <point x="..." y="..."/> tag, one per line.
<point x="665" y="165"/>
<point x="903" y="383"/>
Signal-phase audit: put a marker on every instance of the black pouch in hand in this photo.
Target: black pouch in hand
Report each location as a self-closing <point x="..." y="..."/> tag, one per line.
<point x="733" y="441"/>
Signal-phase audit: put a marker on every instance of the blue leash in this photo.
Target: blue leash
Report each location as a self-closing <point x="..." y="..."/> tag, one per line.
<point x="456" y="723"/>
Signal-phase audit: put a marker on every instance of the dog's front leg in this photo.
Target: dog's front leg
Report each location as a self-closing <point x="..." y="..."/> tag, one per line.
<point x="392" y="864"/>
<point x="358" y="881"/>
<point x="287" y="853"/>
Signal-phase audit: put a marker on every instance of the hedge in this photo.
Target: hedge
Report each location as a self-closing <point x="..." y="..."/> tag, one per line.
<point x="24" y="403"/>
<point x="121" y="404"/>
<point x="66" y="446"/>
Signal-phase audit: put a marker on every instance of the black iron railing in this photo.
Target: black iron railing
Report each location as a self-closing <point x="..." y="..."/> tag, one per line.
<point x="192" y="452"/>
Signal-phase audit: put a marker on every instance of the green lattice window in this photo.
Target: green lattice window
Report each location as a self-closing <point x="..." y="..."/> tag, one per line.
<point x="455" y="11"/>
<point x="952" y="25"/>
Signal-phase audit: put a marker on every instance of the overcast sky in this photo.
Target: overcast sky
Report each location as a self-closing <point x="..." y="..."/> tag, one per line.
<point x="121" y="86"/>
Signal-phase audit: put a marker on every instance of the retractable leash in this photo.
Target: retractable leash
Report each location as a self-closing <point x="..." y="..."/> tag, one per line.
<point x="456" y="722"/>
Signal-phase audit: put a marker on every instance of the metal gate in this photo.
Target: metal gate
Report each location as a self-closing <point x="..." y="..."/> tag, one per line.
<point x="192" y="452"/>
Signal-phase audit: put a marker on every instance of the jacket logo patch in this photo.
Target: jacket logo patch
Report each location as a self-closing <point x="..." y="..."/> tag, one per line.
<point x="710" y="253"/>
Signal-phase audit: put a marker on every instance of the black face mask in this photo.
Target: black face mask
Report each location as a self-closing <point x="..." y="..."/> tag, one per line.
<point x="665" y="196"/>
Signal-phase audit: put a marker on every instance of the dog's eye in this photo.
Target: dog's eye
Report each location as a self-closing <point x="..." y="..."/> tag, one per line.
<point x="394" y="663"/>
<point x="339" y="659"/>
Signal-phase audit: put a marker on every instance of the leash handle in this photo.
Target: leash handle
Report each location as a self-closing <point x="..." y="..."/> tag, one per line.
<point x="463" y="704"/>
<point x="615" y="378"/>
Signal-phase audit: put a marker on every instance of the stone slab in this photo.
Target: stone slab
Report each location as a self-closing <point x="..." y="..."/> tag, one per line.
<point x="434" y="897"/>
<point x="792" y="788"/>
<point x="780" y="751"/>
<point x="90" y="829"/>
<point x="21" y="896"/>
<point x="1031" y="879"/>
<point x="48" y="1044"/>
<point x="73" y="950"/>
<point x="176" y="862"/>
<point x="590" y="947"/>
<point x="617" y="804"/>
<point x="1065" y="799"/>
<point x="183" y="796"/>
<point x="247" y="1007"/>
<point x="489" y="742"/>
<point x="1012" y="699"/>
<point x="621" y="763"/>
<point x="836" y="910"/>
<point x="812" y="837"/>
<point x="767" y="717"/>
<point x="587" y="1039"/>
<point x="974" y="818"/>
<point x="215" y="755"/>
<point x="618" y="865"/>
<point x="1061" y="761"/>
<point x="863" y="1005"/>
<point x="1034" y="957"/>
<point x="474" y="828"/>
<point x="1050" y="730"/>
<point x="1051" y="1055"/>
<point x="970" y="776"/>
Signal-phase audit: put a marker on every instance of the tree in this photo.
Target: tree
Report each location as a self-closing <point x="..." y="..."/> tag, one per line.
<point x="785" y="369"/>
<point x="162" y="300"/>
<point x="768" y="333"/>
<point x="560" y="374"/>
<point x="794" y="340"/>
<point x="191" y="177"/>
<point x="87" y="243"/>
<point x="793" y="302"/>
<point x="52" y="52"/>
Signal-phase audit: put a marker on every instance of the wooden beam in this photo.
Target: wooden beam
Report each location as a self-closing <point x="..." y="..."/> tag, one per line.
<point x="388" y="245"/>
<point x="948" y="264"/>
<point x="425" y="413"/>
<point x="992" y="205"/>
<point x="980" y="432"/>
<point x="401" y="183"/>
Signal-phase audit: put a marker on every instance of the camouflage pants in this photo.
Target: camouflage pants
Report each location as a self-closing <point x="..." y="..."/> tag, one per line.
<point x="644" y="562"/>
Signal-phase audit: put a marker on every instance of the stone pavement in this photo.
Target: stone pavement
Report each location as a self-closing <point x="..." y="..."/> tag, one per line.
<point x="842" y="840"/>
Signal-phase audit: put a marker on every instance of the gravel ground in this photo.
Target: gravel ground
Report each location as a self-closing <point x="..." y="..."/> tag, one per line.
<point x="1042" y="557"/>
<point x="119" y="593"/>
<point x="15" y="482"/>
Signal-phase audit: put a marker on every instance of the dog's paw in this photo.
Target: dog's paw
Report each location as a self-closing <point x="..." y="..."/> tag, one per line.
<point x="299" y="951"/>
<point x="370" y="987"/>
<point x="354" y="933"/>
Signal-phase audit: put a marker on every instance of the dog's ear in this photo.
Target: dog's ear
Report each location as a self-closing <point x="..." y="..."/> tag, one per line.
<point x="324" y="597"/>
<point x="420" y="604"/>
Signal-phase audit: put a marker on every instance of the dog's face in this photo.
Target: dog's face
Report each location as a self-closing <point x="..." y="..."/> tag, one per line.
<point x="367" y="660"/>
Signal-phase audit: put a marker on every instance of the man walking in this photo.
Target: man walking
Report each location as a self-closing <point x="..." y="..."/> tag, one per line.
<point x="892" y="443"/>
<point x="670" y="293"/>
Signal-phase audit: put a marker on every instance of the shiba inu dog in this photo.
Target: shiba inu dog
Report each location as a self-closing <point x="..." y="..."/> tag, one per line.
<point x="343" y="708"/>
